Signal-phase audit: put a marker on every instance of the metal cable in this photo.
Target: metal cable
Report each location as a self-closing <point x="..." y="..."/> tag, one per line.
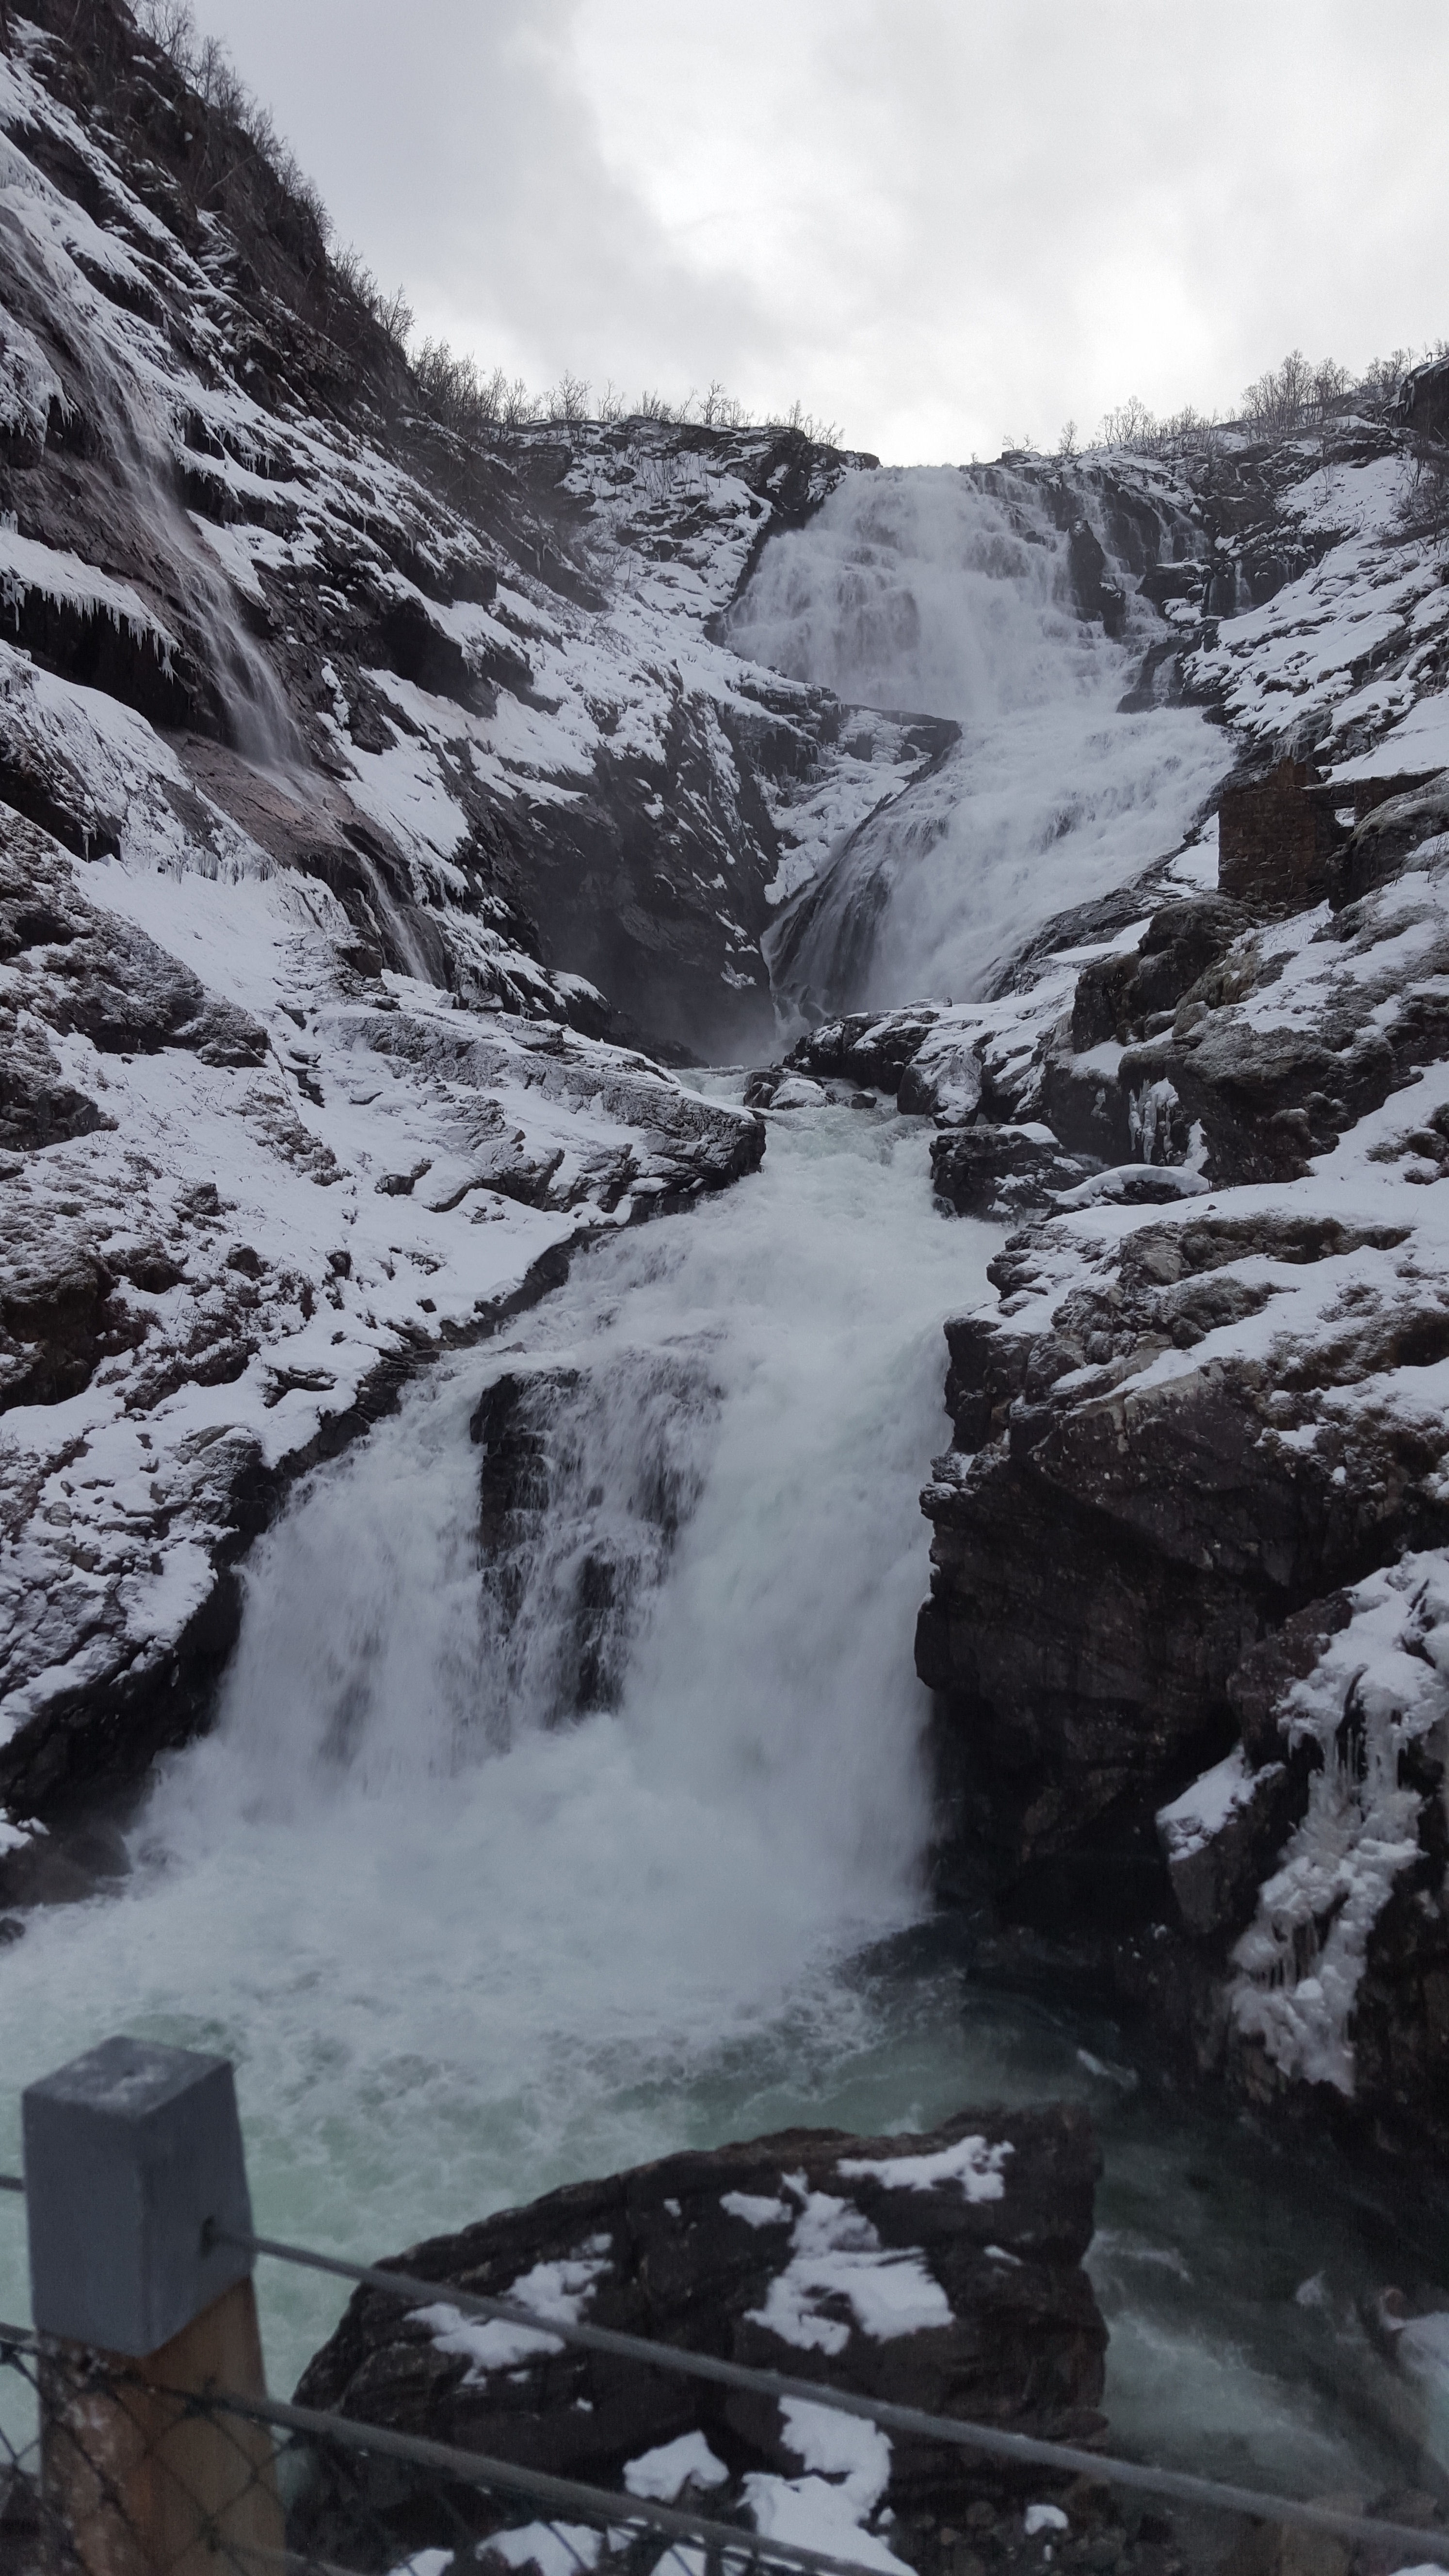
<point x="1178" y="2484"/>
<point x="473" y="2468"/>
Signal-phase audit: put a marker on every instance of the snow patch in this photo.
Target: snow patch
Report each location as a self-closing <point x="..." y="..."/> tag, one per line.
<point x="978" y="2168"/>
<point x="558" y="2290"/>
<point x="837" y="2254"/>
<point x="755" y="2209"/>
<point x="664" y="2473"/>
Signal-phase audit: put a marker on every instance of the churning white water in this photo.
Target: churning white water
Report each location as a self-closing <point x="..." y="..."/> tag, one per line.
<point x="522" y="1853"/>
<point x="949" y="593"/>
<point x="459" y="1950"/>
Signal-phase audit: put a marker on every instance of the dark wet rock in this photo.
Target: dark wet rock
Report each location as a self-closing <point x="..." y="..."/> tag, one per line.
<point x="544" y="1434"/>
<point x="1217" y="1866"/>
<point x="946" y="1079"/>
<point x="1268" y="1099"/>
<point x="1105" y="1557"/>
<point x="1118" y="996"/>
<point x="696" y="2251"/>
<point x="872" y="1047"/>
<point x="1084" y="1105"/>
<point x="776" y="1086"/>
<point x="65" y="1867"/>
<point x="59" y="1317"/>
<point x="1423" y="401"/>
<point x="1001" y="1171"/>
<point x="1278" y="839"/>
<point x="1258" y="1690"/>
<point x="1096" y="594"/>
<point x="1389" y="836"/>
<point x="1150" y="1579"/>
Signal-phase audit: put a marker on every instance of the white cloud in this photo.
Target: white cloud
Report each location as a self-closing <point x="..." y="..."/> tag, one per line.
<point x="932" y="220"/>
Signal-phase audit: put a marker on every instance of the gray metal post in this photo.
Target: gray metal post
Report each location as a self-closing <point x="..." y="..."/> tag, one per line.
<point x="133" y="2158"/>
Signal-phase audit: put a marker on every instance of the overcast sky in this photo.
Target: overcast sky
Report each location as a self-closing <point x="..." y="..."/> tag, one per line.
<point x="938" y="223"/>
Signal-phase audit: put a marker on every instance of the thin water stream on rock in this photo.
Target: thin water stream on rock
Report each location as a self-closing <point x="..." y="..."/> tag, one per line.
<point x="509" y="1865"/>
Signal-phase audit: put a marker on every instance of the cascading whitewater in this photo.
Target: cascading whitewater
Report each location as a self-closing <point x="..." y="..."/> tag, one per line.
<point x="462" y="1951"/>
<point x="561" y="1766"/>
<point x="951" y="593"/>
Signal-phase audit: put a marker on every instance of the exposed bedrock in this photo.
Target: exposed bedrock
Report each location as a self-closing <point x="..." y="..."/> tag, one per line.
<point x="942" y="2272"/>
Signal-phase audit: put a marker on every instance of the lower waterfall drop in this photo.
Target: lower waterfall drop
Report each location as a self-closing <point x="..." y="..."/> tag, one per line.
<point x="509" y="1862"/>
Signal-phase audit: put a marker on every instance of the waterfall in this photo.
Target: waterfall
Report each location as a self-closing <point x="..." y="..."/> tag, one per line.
<point x="573" y="1747"/>
<point x="958" y="593"/>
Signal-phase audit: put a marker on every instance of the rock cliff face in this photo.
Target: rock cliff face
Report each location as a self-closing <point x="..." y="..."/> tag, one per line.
<point x="1188" y="1541"/>
<point x="469" y="691"/>
<point x="942" y="2272"/>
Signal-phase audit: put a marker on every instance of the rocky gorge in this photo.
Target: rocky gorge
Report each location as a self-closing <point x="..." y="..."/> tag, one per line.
<point x="525" y="960"/>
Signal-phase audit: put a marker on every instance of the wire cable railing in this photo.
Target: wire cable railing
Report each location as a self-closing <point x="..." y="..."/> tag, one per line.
<point x="601" y="2505"/>
<point x="1179" y="2486"/>
<point x="1168" y="2485"/>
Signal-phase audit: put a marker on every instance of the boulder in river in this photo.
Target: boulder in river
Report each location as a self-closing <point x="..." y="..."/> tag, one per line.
<point x="941" y="2271"/>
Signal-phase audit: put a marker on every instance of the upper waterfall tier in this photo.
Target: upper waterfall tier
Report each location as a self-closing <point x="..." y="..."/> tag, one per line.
<point x="1009" y="602"/>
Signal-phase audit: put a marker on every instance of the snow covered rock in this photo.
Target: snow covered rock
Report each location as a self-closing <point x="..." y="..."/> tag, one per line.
<point x="1001" y="1171"/>
<point x="1196" y="1450"/>
<point x="941" y="2271"/>
<point x="475" y="690"/>
<point x="1121" y="995"/>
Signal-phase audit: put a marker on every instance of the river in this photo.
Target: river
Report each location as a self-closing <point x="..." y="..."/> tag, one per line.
<point x="466" y="1941"/>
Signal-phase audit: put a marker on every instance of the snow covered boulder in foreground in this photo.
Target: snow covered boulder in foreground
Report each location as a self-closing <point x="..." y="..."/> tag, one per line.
<point x="940" y="2271"/>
